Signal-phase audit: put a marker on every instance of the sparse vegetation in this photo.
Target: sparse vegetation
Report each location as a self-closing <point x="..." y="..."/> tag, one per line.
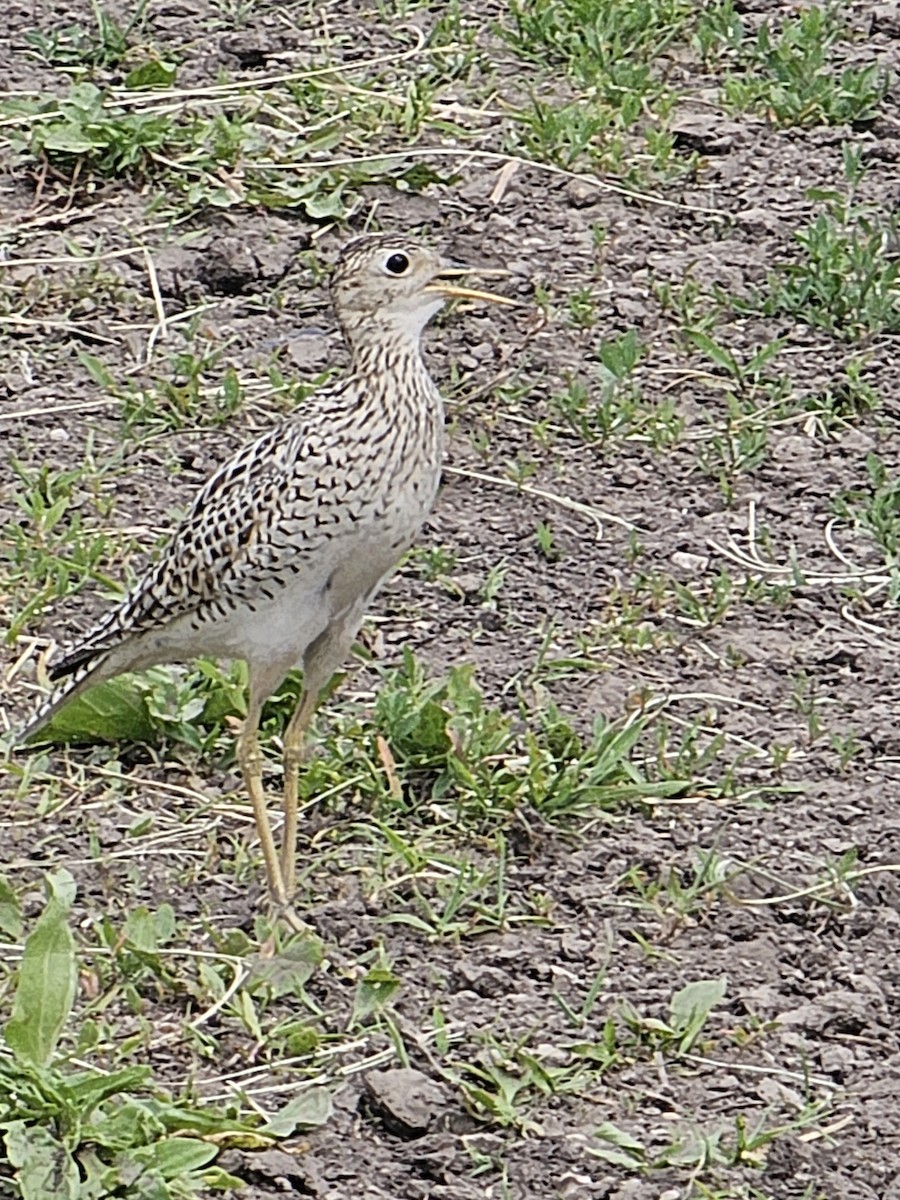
<point x="846" y="279"/>
<point x="790" y="72"/>
<point x="591" y="829"/>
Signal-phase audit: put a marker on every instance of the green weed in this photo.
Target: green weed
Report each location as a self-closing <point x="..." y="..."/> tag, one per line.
<point x="72" y="1130"/>
<point x="754" y="396"/>
<point x="607" y="46"/>
<point x="847" y="280"/>
<point x="704" y="1150"/>
<point x="52" y="551"/>
<point x="187" y="398"/>
<point x="684" y="893"/>
<point x="105" y="45"/>
<point x="849" y="398"/>
<point x="875" y="509"/>
<point x="85" y="128"/>
<point x="504" y="1086"/>
<point x="613" y="408"/>
<point x="610" y="52"/>
<point x="791" y="75"/>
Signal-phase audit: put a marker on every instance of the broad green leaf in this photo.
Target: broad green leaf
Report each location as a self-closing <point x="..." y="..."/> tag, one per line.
<point x="84" y="98"/>
<point x="691" y="1005"/>
<point x="45" y="988"/>
<point x="217" y="1180"/>
<point x="44" y="1168"/>
<point x="289" y="970"/>
<point x="148" y="931"/>
<point x="120" y="1126"/>
<point x="151" y="74"/>
<point x="374" y="992"/>
<point x="110" y="712"/>
<point x="206" y="1122"/>
<point x="88" y="1088"/>
<point x="66" y="139"/>
<point x="719" y="355"/>
<point x="97" y="370"/>
<point x="306" y="1111"/>
<point x="176" y="1156"/>
<point x="620" y="1148"/>
<point x="319" y="208"/>
<point x="98" y="1179"/>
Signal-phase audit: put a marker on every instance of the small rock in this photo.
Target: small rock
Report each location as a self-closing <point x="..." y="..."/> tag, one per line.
<point x="581" y="194"/>
<point x="696" y="564"/>
<point x="467" y="585"/>
<point x="309" y="351"/>
<point x="706" y="135"/>
<point x="758" y="220"/>
<point x="631" y="1189"/>
<point x="837" y="1061"/>
<point x="483" y="980"/>
<point x="229" y="268"/>
<point x="248" y="49"/>
<point x="885" y="19"/>
<point x="276" y="1169"/>
<point x="406" y="1100"/>
<point x="791" y="448"/>
<point x="778" y="1094"/>
<point x="574" y="1186"/>
<point x="554" y="1056"/>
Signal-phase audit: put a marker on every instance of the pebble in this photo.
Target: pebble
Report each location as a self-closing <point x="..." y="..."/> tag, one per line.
<point x="406" y="1100"/>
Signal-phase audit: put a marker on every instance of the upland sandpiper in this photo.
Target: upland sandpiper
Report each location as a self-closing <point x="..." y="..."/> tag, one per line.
<point x="282" y="550"/>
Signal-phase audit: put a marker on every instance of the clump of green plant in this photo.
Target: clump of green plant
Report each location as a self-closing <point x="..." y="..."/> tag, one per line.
<point x="69" y="1132"/>
<point x="611" y="46"/>
<point x="847" y="280"/>
<point x="610" y="52"/>
<point x="447" y="743"/>
<point x="791" y="75"/>
<point x="846" y="399"/>
<point x="562" y="133"/>
<point x="52" y="551"/>
<point x="90" y="132"/>
<point x="754" y="396"/>
<point x="77" y="46"/>
<point x="85" y="127"/>
<point x="612" y="407"/>
<point x="876" y="508"/>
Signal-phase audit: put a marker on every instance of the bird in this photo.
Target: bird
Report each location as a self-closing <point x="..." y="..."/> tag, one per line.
<point x="281" y="551"/>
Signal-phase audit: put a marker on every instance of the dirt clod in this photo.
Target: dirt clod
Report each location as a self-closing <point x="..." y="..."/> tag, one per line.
<point x="406" y="1100"/>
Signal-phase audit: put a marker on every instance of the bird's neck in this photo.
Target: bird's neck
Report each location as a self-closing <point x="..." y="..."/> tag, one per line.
<point x="387" y="357"/>
<point x="398" y="392"/>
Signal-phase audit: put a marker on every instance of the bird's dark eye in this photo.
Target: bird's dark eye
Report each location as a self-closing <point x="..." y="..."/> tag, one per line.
<point x="397" y="264"/>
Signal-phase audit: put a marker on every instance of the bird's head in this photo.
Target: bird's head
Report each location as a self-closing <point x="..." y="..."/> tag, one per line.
<point x="390" y="286"/>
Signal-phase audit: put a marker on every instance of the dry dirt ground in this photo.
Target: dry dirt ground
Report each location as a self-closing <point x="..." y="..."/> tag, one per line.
<point x="670" y="507"/>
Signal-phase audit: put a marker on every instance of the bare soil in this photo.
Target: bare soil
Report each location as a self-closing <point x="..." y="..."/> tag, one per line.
<point x="809" y="1021"/>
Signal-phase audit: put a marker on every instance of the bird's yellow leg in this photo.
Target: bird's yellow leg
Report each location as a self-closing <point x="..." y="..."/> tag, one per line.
<point x="249" y="757"/>
<point x="293" y="756"/>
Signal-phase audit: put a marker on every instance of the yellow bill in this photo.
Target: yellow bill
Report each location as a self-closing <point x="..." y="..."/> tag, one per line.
<point x="457" y="291"/>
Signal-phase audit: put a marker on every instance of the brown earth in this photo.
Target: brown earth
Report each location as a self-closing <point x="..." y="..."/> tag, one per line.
<point x="779" y="702"/>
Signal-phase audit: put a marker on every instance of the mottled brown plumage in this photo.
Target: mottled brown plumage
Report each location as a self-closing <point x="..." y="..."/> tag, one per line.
<point x="283" y="548"/>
